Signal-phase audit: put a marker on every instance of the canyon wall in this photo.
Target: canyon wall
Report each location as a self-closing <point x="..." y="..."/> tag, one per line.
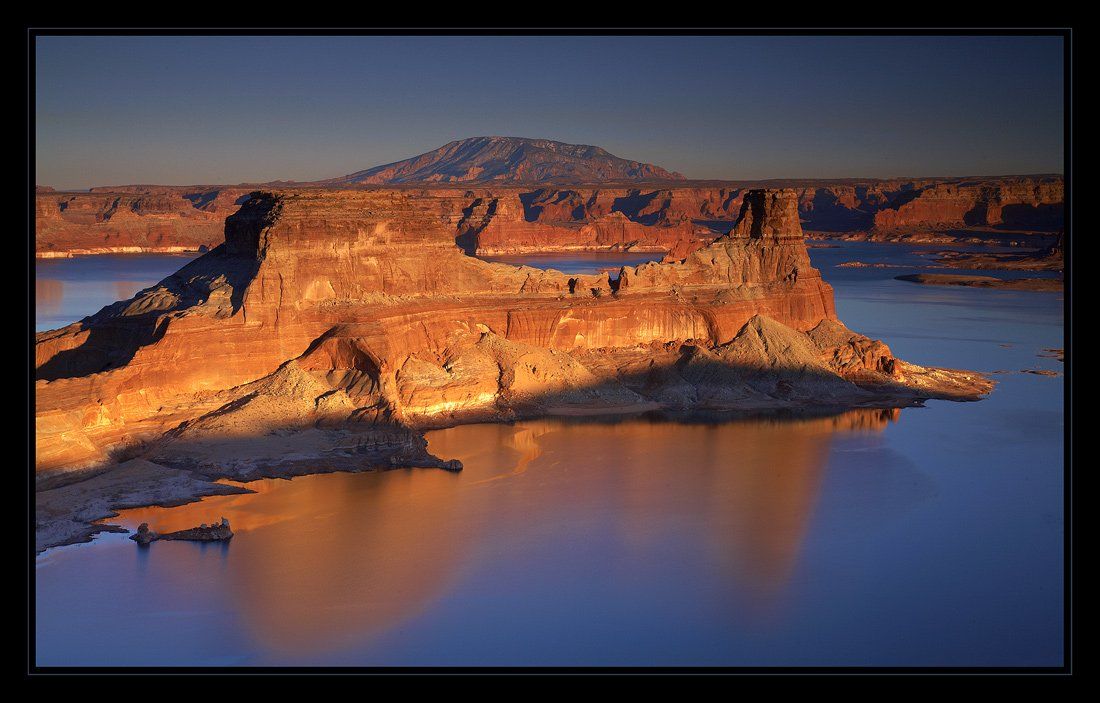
<point x="1018" y="203"/>
<point x="514" y="219"/>
<point x="130" y="219"/>
<point x="679" y="220"/>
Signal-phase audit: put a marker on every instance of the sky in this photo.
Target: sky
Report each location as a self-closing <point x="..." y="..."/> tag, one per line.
<point x="219" y="110"/>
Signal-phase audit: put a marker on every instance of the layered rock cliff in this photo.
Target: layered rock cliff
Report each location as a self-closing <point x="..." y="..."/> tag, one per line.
<point x="131" y="219"/>
<point x="679" y="220"/>
<point x="330" y="327"/>
<point x="510" y="219"/>
<point x="1020" y="203"/>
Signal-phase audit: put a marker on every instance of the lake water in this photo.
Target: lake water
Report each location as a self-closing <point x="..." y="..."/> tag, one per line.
<point x="587" y="262"/>
<point x="925" y="536"/>
<point x="67" y="290"/>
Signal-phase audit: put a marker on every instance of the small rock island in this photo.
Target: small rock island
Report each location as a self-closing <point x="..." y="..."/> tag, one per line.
<point x="203" y="533"/>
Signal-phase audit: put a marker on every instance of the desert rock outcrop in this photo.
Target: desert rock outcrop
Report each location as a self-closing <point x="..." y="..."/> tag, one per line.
<point x="220" y="532"/>
<point x="330" y="327"/>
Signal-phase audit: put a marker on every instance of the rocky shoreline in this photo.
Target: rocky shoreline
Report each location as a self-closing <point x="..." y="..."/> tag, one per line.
<point x="948" y="279"/>
<point x="1050" y="258"/>
<point x="74" y="511"/>
<point x="932" y="234"/>
<point x="77" y="506"/>
<point x="111" y="251"/>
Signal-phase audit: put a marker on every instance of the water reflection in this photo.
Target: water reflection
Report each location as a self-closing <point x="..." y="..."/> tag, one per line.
<point x="125" y="290"/>
<point x="48" y="295"/>
<point x="323" y="563"/>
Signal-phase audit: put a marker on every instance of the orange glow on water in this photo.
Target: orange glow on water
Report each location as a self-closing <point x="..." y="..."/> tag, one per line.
<point x="323" y="561"/>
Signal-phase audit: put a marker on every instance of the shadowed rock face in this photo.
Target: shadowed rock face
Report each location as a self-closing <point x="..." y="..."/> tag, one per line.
<point x="332" y="326"/>
<point x="1025" y="203"/>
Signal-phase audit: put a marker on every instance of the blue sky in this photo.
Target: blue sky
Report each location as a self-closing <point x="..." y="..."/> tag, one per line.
<point x="187" y="110"/>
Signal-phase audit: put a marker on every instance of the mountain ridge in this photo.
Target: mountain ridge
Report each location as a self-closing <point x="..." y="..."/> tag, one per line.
<point x="498" y="159"/>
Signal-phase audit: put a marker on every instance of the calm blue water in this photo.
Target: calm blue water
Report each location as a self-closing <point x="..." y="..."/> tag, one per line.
<point x="67" y="290"/>
<point x="587" y="262"/>
<point x="933" y="538"/>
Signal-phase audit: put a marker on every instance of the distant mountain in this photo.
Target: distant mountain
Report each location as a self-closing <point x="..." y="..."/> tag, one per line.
<point x="509" y="159"/>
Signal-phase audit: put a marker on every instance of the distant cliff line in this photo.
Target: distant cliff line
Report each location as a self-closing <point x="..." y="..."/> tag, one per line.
<point x="541" y="216"/>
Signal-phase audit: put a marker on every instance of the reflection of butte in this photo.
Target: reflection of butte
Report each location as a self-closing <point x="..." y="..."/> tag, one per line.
<point x="125" y="290"/>
<point x="48" y="295"/>
<point x="393" y="545"/>
<point x="343" y="557"/>
<point x="752" y="484"/>
<point x="776" y="484"/>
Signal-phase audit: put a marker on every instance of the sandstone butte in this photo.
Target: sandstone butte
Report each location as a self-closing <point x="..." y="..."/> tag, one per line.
<point x="501" y="218"/>
<point x="332" y="327"/>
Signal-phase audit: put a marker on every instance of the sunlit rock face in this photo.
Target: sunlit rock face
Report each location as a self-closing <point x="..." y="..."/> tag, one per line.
<point x="358" y="309"/>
